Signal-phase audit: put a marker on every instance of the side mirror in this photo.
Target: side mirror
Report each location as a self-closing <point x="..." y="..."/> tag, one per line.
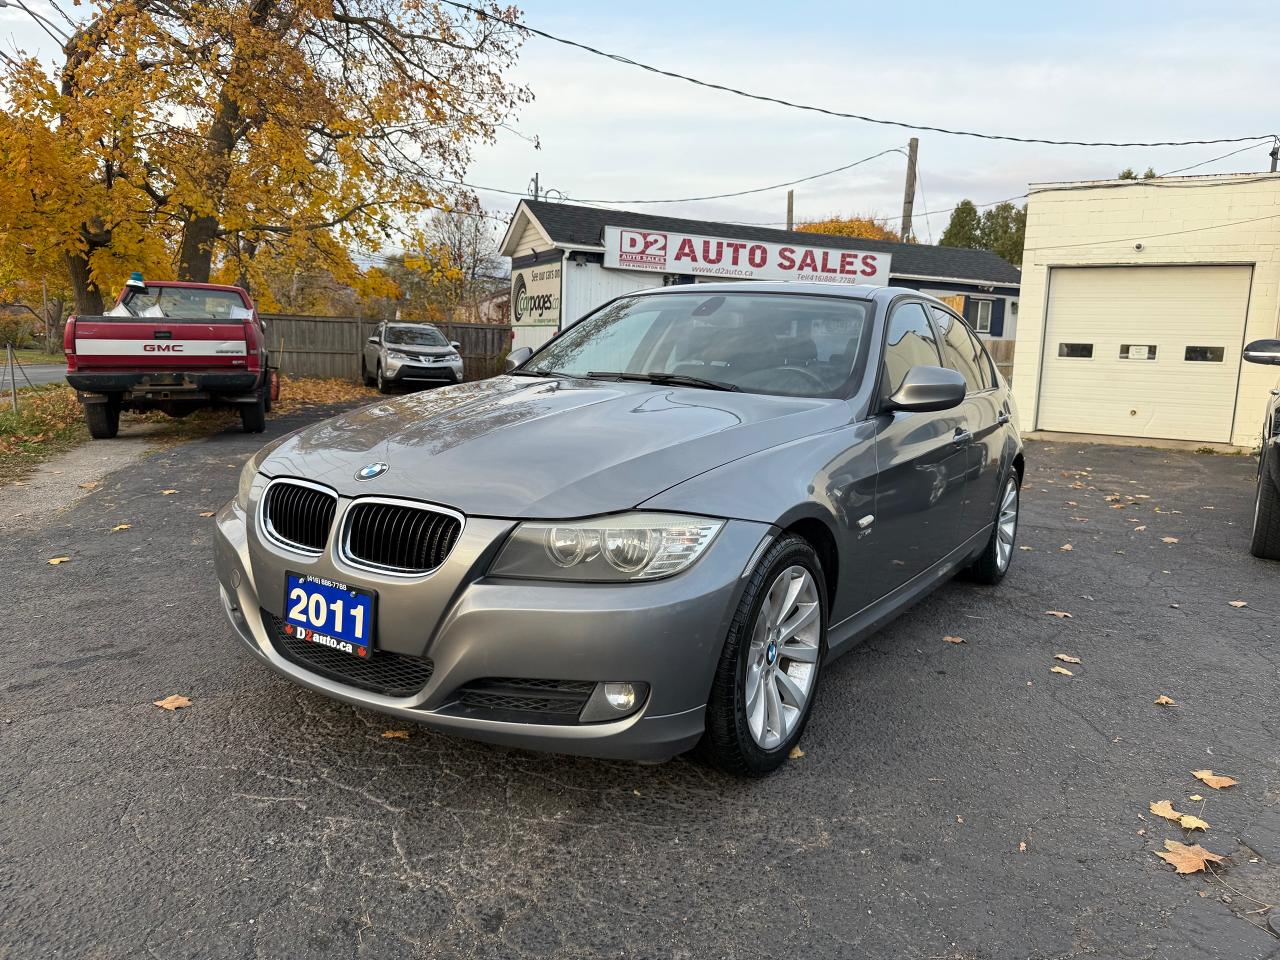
<point x="375" y="341"/>
<point x="1263" y="351"/>
<point x="455" y="344"/>
<point x="517" y="357"/>
<point x="928" y="388"/>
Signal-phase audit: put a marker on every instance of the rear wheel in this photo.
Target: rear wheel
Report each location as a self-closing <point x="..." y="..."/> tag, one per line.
<point x="991" y="567"/>
<point x="253" y="416"/>
<point x="1266" y="509"/>
<point x="102" y="419"/>
<point x="364" y="374"/>
<point x="767" y="679"/>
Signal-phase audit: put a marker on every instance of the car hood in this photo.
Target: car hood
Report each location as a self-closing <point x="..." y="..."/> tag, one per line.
<point x="523" y="447"/>
<point x="413" y="350"/>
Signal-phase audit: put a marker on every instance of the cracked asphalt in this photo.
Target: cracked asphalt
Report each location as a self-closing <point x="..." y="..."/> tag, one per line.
<point x="267" y="821"/>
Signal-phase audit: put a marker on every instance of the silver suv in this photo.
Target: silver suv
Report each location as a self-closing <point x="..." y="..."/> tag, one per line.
<point x="410" y="354"/>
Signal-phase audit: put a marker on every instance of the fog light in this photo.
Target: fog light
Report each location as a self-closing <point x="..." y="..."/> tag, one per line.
<point x="621" y="696"/>
<point x="613" y="701"/>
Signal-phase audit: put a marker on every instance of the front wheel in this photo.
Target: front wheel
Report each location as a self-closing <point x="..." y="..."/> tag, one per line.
<point x="1265" y="543"/>
<point x="384" y="385"/>
<point x="993" y="564"/>
<point x="767" y="679"/>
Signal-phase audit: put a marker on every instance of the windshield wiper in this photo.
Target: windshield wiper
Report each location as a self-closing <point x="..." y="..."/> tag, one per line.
<point x="664" y="379"/>
<point x="538" y="372"/>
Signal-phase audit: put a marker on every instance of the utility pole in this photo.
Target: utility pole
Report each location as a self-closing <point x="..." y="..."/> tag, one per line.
<point x="909" y="190"/>
<point x="791" y="209"/>
<point x="534" y="184"/>
<point x="1275" y="155"/>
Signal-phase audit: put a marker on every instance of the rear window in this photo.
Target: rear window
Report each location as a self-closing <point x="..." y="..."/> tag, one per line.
<point x="184" y="303"/>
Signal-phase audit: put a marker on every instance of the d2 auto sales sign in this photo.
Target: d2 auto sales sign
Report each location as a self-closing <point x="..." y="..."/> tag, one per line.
<point x="682" y="253"/>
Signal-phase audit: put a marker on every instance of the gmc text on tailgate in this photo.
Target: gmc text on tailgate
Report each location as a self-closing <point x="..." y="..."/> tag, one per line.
<point x="174" y="347"/>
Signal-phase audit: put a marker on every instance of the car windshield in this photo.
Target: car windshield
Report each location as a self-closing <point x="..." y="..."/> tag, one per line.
<point x="792" y="344"/>
<point x="185" y="303"/>
<point x="416" y="336"/>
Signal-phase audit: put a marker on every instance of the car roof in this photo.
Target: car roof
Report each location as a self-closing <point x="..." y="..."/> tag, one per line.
<point x="851" y="291"/>
<point x="410" y="323"/>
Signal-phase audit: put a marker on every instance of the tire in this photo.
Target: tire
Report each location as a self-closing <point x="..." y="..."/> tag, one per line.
<point x="253" y="416"/>
<point x="364" y="374"/>
<point x="267" y="386"/>
<point x="1265" y="543"/>
<point x="744" y="736"/>
<point x="384" y="386"/>
<point x="102" y="419"/>
<point x="997" y="555"/>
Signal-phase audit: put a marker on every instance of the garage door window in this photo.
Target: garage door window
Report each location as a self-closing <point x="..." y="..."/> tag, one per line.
<point x="1076" y="351"/>
<point x="1204" y="354"/>
<point x="1137" y="351"/>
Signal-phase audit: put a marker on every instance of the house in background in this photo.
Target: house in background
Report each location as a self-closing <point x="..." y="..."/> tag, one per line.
<point x="568" y="259"/>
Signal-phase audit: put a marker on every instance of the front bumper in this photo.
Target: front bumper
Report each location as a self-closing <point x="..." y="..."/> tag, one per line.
<point x="409" y="371"/>
<point x="667" y="634"/>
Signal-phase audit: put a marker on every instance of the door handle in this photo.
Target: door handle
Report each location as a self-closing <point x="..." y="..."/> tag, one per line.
<point x="1003" y="418"/>
<point x="962" y="437"/>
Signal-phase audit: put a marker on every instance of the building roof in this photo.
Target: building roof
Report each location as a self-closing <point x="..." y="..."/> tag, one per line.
<point x="576" y="226"/>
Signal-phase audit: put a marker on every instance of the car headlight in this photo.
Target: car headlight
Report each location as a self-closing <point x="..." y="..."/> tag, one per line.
<point x="253" y="465"/>
<point x="397" y="355"/>
<point x="631" y="546"/>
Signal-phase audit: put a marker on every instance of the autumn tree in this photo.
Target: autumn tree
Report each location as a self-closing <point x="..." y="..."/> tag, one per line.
<point x="238" y="137"/>
<point x="868" y="227"/>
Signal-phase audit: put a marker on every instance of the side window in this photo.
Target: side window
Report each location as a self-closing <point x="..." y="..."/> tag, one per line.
<point x="983" y="359"/>
<point x="958" y="350"/>
<point x="910" y="343"/>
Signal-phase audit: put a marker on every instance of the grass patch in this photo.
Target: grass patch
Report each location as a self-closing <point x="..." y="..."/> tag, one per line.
<point x="31" y="355"/>
<point x="50" y="421"/>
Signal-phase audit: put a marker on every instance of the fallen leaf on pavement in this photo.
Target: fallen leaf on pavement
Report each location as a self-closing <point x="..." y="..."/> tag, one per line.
<point x="88" y="484"/>
<point x="1168" y="539"/>
<point x="1193" y="823"/>
<point x="1022" y="847"/>
<point x="1211" y="779"/>
<point x="1024" y="548"/>
<point x="1066" y="548"/>
<point x="168" y="493"/>
<point x="1081" y="519"/>
<point x="207" y="513"/>
<point x="1163" y="701"/>
<point x="1062" y="670"/>
<point x="175" y="702"/>
<point x="1139" y="529"/>
<point x="1066" y="658"/>
<point x="121" y="526"/>
<point x="1238" y="604"/>
<point x="795" y="754"/>
<point x="953" y="639"/>
<point x="1163" y="808"/>
<point x="395" y="734"/>
<point x="1195" y="798"/>
<point x="54" y="561"/>
<point x="1186" y="859"/>
<point x="1060" y="614"/>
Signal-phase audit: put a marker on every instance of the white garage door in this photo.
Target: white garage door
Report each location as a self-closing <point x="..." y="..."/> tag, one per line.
<point x="1144" y="351"/>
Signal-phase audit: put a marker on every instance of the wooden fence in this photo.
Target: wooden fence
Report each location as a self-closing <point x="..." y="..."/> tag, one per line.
<point x="1002" y="353"/>
<point x="307" y="346"/>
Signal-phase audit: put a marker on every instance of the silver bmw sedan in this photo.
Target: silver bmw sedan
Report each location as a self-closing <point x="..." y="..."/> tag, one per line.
<point x="648" y="536"/>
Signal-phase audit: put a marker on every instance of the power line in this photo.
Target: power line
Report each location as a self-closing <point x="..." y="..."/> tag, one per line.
<point x="716" y="196"/>
<point x="619" y="58"/>
<point x="1202" y="163"/>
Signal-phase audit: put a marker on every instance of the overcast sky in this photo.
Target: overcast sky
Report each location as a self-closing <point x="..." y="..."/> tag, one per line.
<point x="1082" y="70"/>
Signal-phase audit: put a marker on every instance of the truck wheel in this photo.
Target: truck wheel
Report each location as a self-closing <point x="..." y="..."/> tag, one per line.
<point x="384" y="386"/>
<point x="102" y="419"/>
<point x="253" y="416"/>
<point x="268" y="387"/>
<point x="1266" y="511"/>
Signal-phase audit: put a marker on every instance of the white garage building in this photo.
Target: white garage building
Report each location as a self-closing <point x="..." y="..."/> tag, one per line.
<point x="568" y="259"/>
<point x="1137" y="299"/>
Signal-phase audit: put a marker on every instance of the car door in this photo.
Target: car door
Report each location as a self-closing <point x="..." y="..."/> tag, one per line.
<point x="922" y="465"/>
<point x="985" y="416"/>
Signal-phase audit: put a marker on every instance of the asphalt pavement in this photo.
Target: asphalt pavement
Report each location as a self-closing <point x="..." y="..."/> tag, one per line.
<point x="953" y="800"/>
<point x="32" y="374"/>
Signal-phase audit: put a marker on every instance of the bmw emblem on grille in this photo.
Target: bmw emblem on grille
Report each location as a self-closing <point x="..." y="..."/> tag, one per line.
<point x="371" y="470"/>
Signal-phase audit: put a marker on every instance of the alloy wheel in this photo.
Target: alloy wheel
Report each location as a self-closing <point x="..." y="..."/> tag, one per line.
<point x="782" y="661"/>
<point x="1007" y="524"/>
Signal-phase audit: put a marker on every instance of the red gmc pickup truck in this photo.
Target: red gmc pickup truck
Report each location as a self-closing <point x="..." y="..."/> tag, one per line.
<point x="171" y="346"/>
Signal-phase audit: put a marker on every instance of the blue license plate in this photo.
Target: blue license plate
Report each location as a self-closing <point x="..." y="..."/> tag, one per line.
<point x="329" y="613"/>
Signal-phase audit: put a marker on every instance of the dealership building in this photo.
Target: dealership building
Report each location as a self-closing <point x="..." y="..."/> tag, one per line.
<point x="1137" y="300"/>
<point x="568" y="259"/>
